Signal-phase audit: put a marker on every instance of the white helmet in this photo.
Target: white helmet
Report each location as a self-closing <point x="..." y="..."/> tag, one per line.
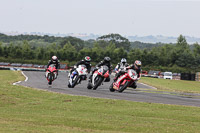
<point x="54" y="58"/>
<point x="123" y="60"/>
<point x="137" y="64"/>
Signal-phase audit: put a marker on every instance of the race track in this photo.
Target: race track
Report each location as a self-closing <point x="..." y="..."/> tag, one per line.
<point x="142" y="94"/>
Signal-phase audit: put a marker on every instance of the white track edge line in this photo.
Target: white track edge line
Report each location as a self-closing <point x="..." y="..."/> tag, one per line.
<point x="149" y="86"/>
<point x="16" y="82"/>
<point x="21" y="81"/>
<point x="25" y="77"/>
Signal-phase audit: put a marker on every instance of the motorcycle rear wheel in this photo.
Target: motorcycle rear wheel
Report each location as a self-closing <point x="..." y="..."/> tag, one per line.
<point x="111" y="88"/>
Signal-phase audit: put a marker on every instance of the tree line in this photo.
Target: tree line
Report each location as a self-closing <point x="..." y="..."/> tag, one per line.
<point x="178" y="57"/>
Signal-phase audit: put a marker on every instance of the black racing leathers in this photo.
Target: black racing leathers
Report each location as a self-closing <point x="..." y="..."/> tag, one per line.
<point x="83" y="62"/>
<point x="57" y="64"/>
<point x="102" y="63"/>
<point x="108" y="64"/>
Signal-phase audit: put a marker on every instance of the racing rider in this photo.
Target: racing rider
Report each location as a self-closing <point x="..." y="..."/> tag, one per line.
<point x="106" y="62"/>
<point x="85" y="61"/>
<point x="137" y="67"/>
<point x="54" y="60"/>
<point x="120" y="68"/>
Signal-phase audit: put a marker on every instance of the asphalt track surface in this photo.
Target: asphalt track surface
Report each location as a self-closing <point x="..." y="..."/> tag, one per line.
<point x="143" y="93"/>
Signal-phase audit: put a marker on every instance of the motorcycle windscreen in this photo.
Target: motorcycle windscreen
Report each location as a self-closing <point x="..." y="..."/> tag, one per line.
<point x="105" y="69"/>
<point x="52" y="67"/>
<point x="82" y="69"/>
<point x="132" y="74"/>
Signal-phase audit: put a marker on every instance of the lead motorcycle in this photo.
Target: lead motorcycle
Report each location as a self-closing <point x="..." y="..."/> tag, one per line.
<point x="77" y="76"/>
<point x="129" y="78"/>
<point x="99" y="76"/>
<point x="51" y="73"/>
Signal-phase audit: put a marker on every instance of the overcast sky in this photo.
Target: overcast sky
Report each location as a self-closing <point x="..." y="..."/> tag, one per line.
<point x="126" y="17"/>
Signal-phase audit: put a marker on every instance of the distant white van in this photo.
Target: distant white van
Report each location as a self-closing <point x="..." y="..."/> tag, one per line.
<point x="167" y="75"/>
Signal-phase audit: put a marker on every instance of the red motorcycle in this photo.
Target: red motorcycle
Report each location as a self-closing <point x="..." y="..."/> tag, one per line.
<point x="99" y="76"/>
<point x="127" y="79"/>
<point x="51" y="73"/>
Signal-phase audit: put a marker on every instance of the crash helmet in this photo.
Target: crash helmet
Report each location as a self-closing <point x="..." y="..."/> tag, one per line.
<point x="123" y="60"/>
<point x="87" y="59"/>
<point x="137" y="64"/>
<point x="54" y="59"/>
<point x="107" y="59"/>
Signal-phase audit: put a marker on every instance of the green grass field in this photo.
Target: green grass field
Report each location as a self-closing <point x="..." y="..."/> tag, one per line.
<point x="24" y="109"/>
<point x="173" y="85"/>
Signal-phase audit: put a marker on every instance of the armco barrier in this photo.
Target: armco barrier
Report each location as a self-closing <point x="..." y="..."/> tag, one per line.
<point x="187" y="76"/>
<point x="25" y="69"/>
<point x="1" y="68"/>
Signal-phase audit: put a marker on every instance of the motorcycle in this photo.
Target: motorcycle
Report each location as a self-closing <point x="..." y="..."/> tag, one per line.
<point x="77" y="76"/>
<point x="99" y="76"/>
<point x="127" y="79"/>
<point x="51" y="73"/>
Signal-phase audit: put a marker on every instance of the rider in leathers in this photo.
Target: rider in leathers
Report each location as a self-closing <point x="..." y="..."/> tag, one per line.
<point x="119" y="69"/>
<point x="137" y="67"/>
<point x="85" y="62"/>
<point x="54" y="60"/>
<point x="106" y="62"/>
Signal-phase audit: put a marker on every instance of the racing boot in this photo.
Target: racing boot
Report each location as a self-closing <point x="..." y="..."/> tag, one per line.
<point x="134" y="85"/>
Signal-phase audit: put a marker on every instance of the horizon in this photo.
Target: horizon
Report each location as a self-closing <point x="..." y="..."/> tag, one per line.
<point x="46" y="33"/>
<point x="84" y="36"/>
<point x="125" y="17"/>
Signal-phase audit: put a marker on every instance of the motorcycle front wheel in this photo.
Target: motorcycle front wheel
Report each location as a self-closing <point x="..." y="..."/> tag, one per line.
<point x="123" y="87"/>
<point x="98" y="82"/>
<point x="75" y="80"/>
<point x="50" y="76"/>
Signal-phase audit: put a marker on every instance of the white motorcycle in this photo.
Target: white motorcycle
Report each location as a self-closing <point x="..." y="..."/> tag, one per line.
<point x="99" y="76"/>
<point x="77" y="76"/>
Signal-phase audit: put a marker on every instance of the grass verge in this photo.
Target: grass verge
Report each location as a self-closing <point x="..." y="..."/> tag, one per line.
<point x="172" y="85"/>
<point x="24" y="109"/>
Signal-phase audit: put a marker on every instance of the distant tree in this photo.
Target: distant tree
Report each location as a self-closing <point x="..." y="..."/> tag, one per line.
<point x="97" y="53"/>
<point x="134" y="54"/>
<point x="180" y="51"/>
<point x="118" y="54"/>
<point x="196" y="49"/>
<point x="145" y="58"/>
<point x="185" y="59"/>
<point x="142" y="45"/>
<point x="84" y="52"/>
<point x="103" y="43"/>
<point x="69" y="52"/>
<point x="18" y="52"/>
<point x="196" y="62"/>
<point x="89" y="43"/>
<point x="12" y="50"/>
<point x="117" y="39"/>
<point x="76" y="42"/>
<point x="40" y="53"/>
<point x="182" y="43"/>
<point x="109" y="50"/>
<point x="26" y="51"/>
<point x="1" y="49"/>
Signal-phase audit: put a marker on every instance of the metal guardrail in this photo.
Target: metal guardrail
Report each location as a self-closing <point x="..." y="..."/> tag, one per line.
<point x="26" y="69"/>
